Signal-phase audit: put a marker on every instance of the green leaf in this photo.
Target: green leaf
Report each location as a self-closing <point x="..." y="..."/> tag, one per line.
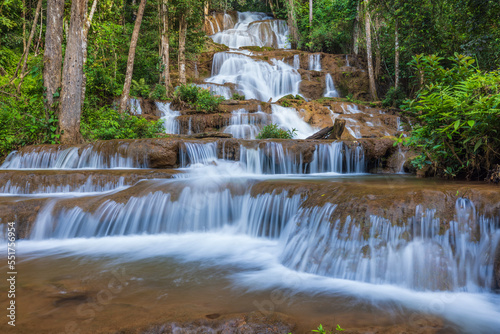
<point x="471" y="123"/>
<point x="457" y="124"/>
<point x="478" y="144"/>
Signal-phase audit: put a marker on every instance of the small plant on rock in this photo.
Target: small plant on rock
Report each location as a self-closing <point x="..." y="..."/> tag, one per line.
<point x="274" y="131"/>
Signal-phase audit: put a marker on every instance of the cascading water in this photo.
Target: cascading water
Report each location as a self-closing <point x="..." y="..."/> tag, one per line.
<point x="254" y="29"/>
<point x="315" y="62"/>
<point x="215" y="89"/>
<point x="330" y="90"/>
<point x="275" y="158"/>
<point x="288" y="119"/>
<point x="244" y="125"/>
<point x="135" y="106"/>
<point x="255" y="79"/>
<point x="88" y="156"/>
<point x="169" y="117"/>
<point x="418" y="254"/>
<point x="260" y="217"/>
<point x="296" y="62"/>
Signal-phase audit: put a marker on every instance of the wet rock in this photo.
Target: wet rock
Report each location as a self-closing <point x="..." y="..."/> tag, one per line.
<point x="251" y="323"/>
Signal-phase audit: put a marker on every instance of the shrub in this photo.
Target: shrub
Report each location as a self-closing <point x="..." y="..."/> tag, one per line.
<point x="139" y="88"/>
<point x="394" y="98"/>
<point x="274" y="131"/>
<point x="159" y="93"/>
<point x="458" y="109"/>
<point x="198" y="98"/>
<point x="238" y="97"/>
<point x="107" y="123"/>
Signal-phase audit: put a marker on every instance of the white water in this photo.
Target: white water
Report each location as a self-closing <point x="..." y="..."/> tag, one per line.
<point x="315" y="62"/>
<point x="88" y="156"/>
<point x="169" y="117"/>
<point x="254" y="29"/>
<point x="289" y="119"/>
<point x="296" y="62"/>
<point x="330" y="90"/>
<point x="276" y="158"/>
<point x="223" y="91"/>
<point x="91" y="185"/>
<point x="210" y="215"/>
<point x="245" y="125"/>
<point x="135" y="106"/>
<point x="255" y="79"/>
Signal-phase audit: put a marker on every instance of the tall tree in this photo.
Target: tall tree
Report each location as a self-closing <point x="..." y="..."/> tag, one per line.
<point x="131" y="57"/>
<point x="52" y="56"/>
<point x="165" y="44"/>
<point x="292" y="24"/>
<point x="369" y="57"/>
<point x="85" y="33"/>
<point x="24" y="58"/>
<point x="72" y="76"/>
<point x="310" y="13"/>
<point x="396" y="55"/>
<point x="182" y="47"/>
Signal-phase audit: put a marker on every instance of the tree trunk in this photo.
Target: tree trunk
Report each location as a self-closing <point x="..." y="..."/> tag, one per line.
<point x="72" y="77"/>
<point x="52" y="56"/>
<point x="292" y="24"/>
<point x="310" y="13"/>
<point x="40" y="35"/>
<point x="373" y="90"/>
<point x="85" y="33"/>
<point x="396" y="56"/>
<point x="182" y="48"/>
<point x="131" y="57"/>
<point x="24" y="26"/>
<point x="24" y="57"/>
<point x="355" y="35"/>
<point x="165" y="43"/>
<point x="378" y="57"/>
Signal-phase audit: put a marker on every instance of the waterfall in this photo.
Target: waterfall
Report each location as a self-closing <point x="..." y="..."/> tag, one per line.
<point x="288" y="119"/>
<point x="419" y="254"/>
<point x="245" y="125"/>
<point x="255" y="79"/>
<point x="195" y="209"/>
<point x="254" y="29"/>
<point x="274" y="158"/>
<point x="330" y="90"/>
<point x="90" y="185"/>
<point x="169" y="117"/>
<point x="296" y="62"/>
<point x="223" y="91"/>
<point x="88" y="156"/>
<point x="347" y="61"/>
<point x="135" y="106"/>
<point x="195" y="153"/>
<point x="315" y="62"/>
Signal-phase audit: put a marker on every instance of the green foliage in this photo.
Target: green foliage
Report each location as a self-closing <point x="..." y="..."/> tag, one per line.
<point x="159" y="93"/>
<point x="274" y="131"/>
<point x="322" y="330"/>
<point x="332" y="26"/>
<point x="107" y="123"/>
<point x="198" y="98"/>
<point x="238" y="97"/>
<point x="139" y="88"/>
<point x="459" y="114"/>
<point x="394" y="97"/>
